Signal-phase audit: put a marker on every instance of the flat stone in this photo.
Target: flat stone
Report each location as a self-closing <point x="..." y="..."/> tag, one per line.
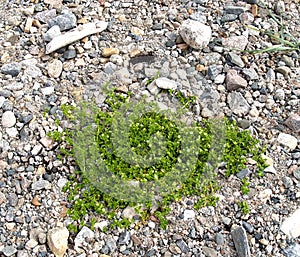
<point x="12" y="69"/>
<point x="234" y="81"/>
<point x="165" y="83"/>
<point x="292" y="251"/>
<point x="236" y="59"/>
<point x="129" y="212"/>
<point x="287" y="182"/>
<point x="219" y="238"/>
<point x="9" y="250"/>
<point x="243" y="173"/>
<point x="46" y="15"/>
<point x="235" y="42"/>
<point x="57" y="239"/>
<point x="238" y="103"/>
<point x="124" y="238"/>
<point x="65" y="21"/>
<point x="84" y="234"/>
<point x="40" y="184"/>
<point x="229" y="17"/>
<point x="209" y="252"/>
<point x="188" y="214"/>
<point x="214" y="70"/>
<point x="291" y="225"/>
<point x="293" y="122"/>
<point x="250" y="74"/>
<point x="55" y="68"/>
<point x="235" y="9"/>
<point x="240" y="240"/>
<point x="284" y="70"/>
<point x="12" y="199"/>
<point x="195" y="33"/>
<point x="182" y="245"/>
<point x="287" y="140"/>
<point x="8" y="119"/>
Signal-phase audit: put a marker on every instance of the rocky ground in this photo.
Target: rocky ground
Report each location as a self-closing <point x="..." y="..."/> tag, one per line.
<point x="198" y="45"/>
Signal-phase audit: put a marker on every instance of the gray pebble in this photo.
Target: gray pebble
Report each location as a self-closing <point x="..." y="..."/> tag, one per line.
<point x="287" y="182"/>
<point x="9" y="250"/>
<point x="182" y="245"/>
<point x="12" y="69"/>
<point x="219" y="238"/>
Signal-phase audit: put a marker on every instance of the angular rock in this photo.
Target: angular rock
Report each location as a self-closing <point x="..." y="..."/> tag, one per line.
<point x="292" y="251"/>
<point x="291" y="225"/>
<point x="240" y="240"/>
<point x="57" y="239"/>
<point x="40" y="184"/>
<point x="70" y="54"/>
<point x="84" y="234"/>
<point x="235" y="59"/>
<point x="250" y="74"/>
<point x="214" y="70"/>
<point x="296" y="174"/>
<point x="287" y="140"/>
<point x="182" y="245"/>
<point x="195" y="33"/>
<point x="8" y="119"/>
<point x="55" y="68"/>
<point x="65" y="21"/>
<point x="234" y="81"/>
<point x="165" y="83"/>
<point x="209" y="252"/>
<point x="238" y="103"/>
<point x="293" y="122"/>
<point x="235" y="42"/>
<point x="235" y="9"/>
<point x="124" y="238"/>
<point x="12" y="69"/>
<point x="46" y="15"/>
<point x="188" y="214"/>
<point x="9" y="250"/>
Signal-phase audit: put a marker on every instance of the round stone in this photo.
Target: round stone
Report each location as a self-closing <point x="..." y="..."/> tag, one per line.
<point x="8" y="119"/>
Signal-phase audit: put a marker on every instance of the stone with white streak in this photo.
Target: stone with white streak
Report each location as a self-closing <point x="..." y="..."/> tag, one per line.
<point x="195" y="33"/>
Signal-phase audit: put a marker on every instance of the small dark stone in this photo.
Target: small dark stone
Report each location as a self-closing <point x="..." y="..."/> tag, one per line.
<point x="12" y="199"/>
<point x="214" y="70"/>
<point x="69" y="54"/>
<point x="219" y="238"/>
<point x="157" y="26"/>
<point x="65" y="21"/>
<point x="26" y="119"/>
<point x="241" y="242"/>
<point x="244" y="124"/>
<point x="243" y="173"/>
<point x="182" y="245"/>
<point x="150" y="253"/>
<point x="52" y="98"/>
<point x="249" y="228"/>
<point x="124" y="238"/>
<point x="12" y="69"/>
<point x="170" y="43"/>
<point x="258" y="236"/>
<point x="7" y="105"/>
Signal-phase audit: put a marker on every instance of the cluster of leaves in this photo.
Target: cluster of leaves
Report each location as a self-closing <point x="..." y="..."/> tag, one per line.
<point x="87" y="200"/>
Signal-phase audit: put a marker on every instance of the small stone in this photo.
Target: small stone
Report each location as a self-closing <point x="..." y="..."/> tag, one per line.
<point x="291" y="225"/>
<point x="36" y="149"/>
<point x="293" y="122"/>
<point x="244" y="124"/>
<point x="101" y="225"/>
<point x="279" y="7"/>
<point x="12" y="199"/>
<point x="116" y="59"/>
<point x="264" y="241"/>
<point x="55" y="68"/>
<point x="182" y="245"/>
<point x="31" y="244"/>
<point x="107" y="52"/>
<point x="65" y="21"/>
<point x="41" y="184"/>
<point x="209" y="252"/>
<point x="52" y="33"/>
<point x="235" y="59"/>
<point x="129" y="212"/>
<point x="70" y="54"/>
<point x="279" y="94"/>
<point x="250" y="74"/>
<point x="219" y="238"/>
<point x="84" y="234"/>
<point x="195" y="33"/>
<point x="214" y="70"/>
<point x="188" y="214"/>
<point x="57" y="239"/>
<point x="287" y="141"/>
<point x="28" y="25"/>
<point x="287" y="182"/>
<point x="228" y="17"/>
<point x="234" y="81"/>
<point x="296" y="174"/>
<point x="9" y="250"/>
<point x="12" y="69"/>
<point x="110" y="68"/>
<point x="137" y="31"/>
<point x="243" y="173"/>
<point x="2" y="198"/>
<point x="292" y="251"/>
<point x="124" y="238"/>
<point x="35" y="201"/>
<point x="165" y="83"/>
<point x="249" y="228"/>
<point x="246" y="18"/>
<point x="8" y="119"/>
<point x="284" y="70"/>
<point x="234" y="9"/>
<point x="240" y="240"/>
<point x="238" y="43"/>
<point x="238" y="103"/>
<point x="46" y="15"/>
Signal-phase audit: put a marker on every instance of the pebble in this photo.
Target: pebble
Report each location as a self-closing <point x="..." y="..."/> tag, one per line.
<point x="236" y="59"/>
<point x="284" y="70"/>
<point x="55" y="68"/>
<point x="248" y="227"/>
<point x="287" y="182"/>
<point x="237" y="43"/>
<point x="124" y="238"/>
<point x="240" y="240"/>
<point x="292" y="250"/>
<point x="238" y="103"/>
<point x="12" y="69"/>
<point x="165" y="83"/>
<point x="296" y="174"/>
<point x="107" y="52"/>
<point x="195" y="33"/>
<point x="219" y="238"/>
<point x="182" y="246"/>
<point x="57" y="240"/>
<point x="188" y="214"/>
<point x="293" y="122"/>
<point x="8" y="119"/>
<point x="84" y="235"/>
<point x="64" y="21"/>
<point x="53" y="32"/>
<point x="9" y="250"/>
<point x="235" y="81"/>
<point x="40" y="184"/>
<point x="209" y="252"/>
<point x="287" y="141"/>
<point x="291" y="225"/>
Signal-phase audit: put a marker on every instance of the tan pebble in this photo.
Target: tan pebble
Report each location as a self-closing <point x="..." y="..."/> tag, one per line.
<point x="134" y="53"/>
<point x="80" y="62"/>
<point x="28" y="25"/>
<point x="107" y="52"/>
<point x="36" y="23"/>
<point x="254" y="10"/>
<point x="55" y="68"/>
<point x="80" y="49"/>
<point x="122" y="18"/>
<point x="35" y="201"/>
<point x="137" y="31"/>
<point x="82" y="21"/>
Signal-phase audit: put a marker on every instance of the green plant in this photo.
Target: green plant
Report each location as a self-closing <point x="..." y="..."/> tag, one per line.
<point x="86" y="198"/>
<point x="284" y="39"/>
<point x="245" y="186"/>
<point x="244" y="207"/>
<point x="149" y="81"/>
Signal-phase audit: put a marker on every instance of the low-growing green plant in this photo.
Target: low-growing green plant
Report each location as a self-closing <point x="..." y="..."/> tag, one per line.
<point x="245" y="186"/>
<point x="244" y="207"/>
<point x="86" y="199"/>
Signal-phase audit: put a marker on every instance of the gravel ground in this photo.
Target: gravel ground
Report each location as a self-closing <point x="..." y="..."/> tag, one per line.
<point x="198" y="46"/>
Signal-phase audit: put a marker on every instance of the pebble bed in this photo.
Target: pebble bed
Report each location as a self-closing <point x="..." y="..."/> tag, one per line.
<point x="197" y="48"/>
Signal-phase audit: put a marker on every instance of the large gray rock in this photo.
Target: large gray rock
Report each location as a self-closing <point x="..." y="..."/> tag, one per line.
<point x="238" y="103"/>
<point x="291" y="226"/>
<point x="240" y="240"/>
<point x="195" y="33"/>
<point x="287" y="140"/>
<point x="58" y="241"/>
<point x="65" y="21"/>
